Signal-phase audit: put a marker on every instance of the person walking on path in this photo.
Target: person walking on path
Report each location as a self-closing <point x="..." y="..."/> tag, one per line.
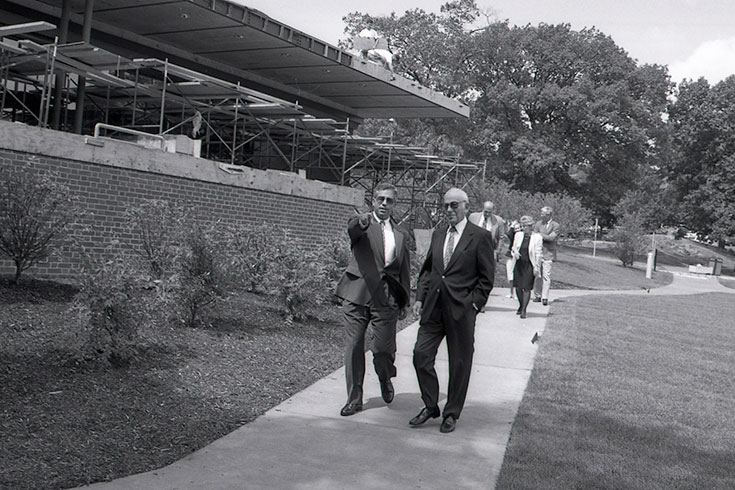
<point x="375" y="293"/>
<point x="549" y="230"/>
<point x="453" y="286"/>
<point x="492" y="223"/>
<point x="526" y="255"/>
<point x="514" y="227"/>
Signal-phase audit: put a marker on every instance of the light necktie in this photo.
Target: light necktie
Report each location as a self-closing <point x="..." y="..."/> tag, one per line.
<point x="450" y="245"/>
<point x="389" y="246"/>
<point x="385" y="245"/>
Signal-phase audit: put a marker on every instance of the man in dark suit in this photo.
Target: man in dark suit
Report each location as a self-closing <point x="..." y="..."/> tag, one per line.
<point x="375" y="289"/>
<point x="454" y="283"/>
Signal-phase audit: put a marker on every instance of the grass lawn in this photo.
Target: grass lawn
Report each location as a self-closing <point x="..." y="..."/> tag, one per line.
<point x="575" y="268"/>
<point x="629" y="393"/>
<point x="65" y="424"/>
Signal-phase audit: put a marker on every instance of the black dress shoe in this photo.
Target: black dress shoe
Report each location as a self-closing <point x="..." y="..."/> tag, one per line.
<point x="424" y="415"/>
<point x="523" y="314"/>
<point x="448" y="424"/>
<point x="518" y="311"/>
<point x="537" y="300"/>
<point x="350" y="409"/>
<point x="387" y="391"/>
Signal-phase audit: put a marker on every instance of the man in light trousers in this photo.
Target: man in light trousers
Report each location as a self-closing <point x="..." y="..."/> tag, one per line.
<point x="549" y="230"/>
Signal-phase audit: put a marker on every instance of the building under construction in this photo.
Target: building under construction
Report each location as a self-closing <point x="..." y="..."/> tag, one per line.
<point x="223" y="82"/>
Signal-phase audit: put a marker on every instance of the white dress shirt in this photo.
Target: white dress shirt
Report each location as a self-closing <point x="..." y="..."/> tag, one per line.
<point x="389" y="240"/>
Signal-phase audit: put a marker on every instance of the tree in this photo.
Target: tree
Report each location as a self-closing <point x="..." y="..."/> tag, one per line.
<point x="512" y="204"/>
<point x="703" y="170"/>
<point x="36" y="216"/>
<point x="432" y="47"/>
<point x="553" y="110"/>
<point x="628" y="238"/>
<point x="563" y="110"/>
<point x="651" y="199"/>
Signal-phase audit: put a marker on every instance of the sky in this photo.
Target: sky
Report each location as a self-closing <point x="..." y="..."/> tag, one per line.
<point x="695" y="38"/>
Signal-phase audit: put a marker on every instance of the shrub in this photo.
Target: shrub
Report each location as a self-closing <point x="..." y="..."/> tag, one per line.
<point x="160" y="226"/>
<point x="300" y="277"/>
<point x="252" y="249"/>
<point x="628" y="239"/>
<point x="337" y="256"/>
<point x="511" y="204"/>
<point x="183" y="261"/>
<point x="36" y="216"/>
<point x="112" y="302"/>
<point x="200" y="279"/>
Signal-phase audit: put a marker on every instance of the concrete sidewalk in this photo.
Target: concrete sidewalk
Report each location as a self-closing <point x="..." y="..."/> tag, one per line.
<point x="304" y="443"/>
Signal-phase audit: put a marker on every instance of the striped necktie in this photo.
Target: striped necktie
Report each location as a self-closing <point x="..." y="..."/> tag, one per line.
<point x="450" y="245"/>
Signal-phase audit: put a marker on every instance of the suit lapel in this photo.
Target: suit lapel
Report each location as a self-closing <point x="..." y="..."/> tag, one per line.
<point x="464" y="240"/>
<point x="399" y="241"/>
<point x="438" y="245"/>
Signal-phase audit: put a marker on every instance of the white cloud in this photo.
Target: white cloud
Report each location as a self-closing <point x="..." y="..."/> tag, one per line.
<point x="713" y="60"/>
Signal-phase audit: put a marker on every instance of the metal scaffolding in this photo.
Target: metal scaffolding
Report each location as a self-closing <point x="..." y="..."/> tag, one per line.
<point x="142" y="99"/>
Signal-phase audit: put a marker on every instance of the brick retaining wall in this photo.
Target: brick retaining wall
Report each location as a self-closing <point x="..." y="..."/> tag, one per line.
<point x="110" y="178"/>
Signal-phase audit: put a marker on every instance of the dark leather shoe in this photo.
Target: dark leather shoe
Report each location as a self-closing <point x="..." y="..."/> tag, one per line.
<point x="537" y="299"/>
<point x="518" y="311"/>
<point x="387" y="391"/>
<point x="424" y="415"/>
<point x="448" y="424"/>
<point x="523" y="314"/>
<point x="545" y="302"/>
<point x="350" y="409"/>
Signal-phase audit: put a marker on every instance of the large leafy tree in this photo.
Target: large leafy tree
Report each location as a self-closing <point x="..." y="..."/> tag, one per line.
<point x="432" y="48"/>
<point x="563" y="110"/>
<point x="552" y="109"/>
<point x="702" y="172"/>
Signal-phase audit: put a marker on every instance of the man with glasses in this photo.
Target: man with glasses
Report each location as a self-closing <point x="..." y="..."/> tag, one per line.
<point x="454" y="283"/>
<point x="375" y="289"/>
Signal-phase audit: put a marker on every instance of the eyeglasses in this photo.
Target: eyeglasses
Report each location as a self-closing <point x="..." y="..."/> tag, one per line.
<point x="385" y="199"/>
<point x="454" y="204"/>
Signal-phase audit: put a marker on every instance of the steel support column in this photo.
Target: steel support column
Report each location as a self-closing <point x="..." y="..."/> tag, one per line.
<point x="82" y="85"/>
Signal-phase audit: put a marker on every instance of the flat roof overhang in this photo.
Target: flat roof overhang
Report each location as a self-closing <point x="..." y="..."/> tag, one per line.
<point x="239" y="44"/>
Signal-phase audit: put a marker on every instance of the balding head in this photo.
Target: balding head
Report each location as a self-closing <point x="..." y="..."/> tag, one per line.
<point x="456" y="205"/>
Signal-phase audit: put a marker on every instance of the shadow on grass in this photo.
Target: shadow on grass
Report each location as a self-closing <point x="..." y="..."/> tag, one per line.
<point x="628" y="392"/>
<point x="35" y="291"/>
<point x="600" y="452"/>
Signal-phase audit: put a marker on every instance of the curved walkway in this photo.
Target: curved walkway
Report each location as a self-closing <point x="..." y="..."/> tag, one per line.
<point x="304" y="443"/>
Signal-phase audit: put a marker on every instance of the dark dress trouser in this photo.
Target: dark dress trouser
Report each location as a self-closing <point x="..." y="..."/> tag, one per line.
<point x="460" y="337"/>
<point x="374" y="327"/>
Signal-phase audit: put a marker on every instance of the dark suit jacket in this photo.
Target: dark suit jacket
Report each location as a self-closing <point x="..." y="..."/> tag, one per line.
<point x="468" y="278"/>
<point x="361" y="282"/>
